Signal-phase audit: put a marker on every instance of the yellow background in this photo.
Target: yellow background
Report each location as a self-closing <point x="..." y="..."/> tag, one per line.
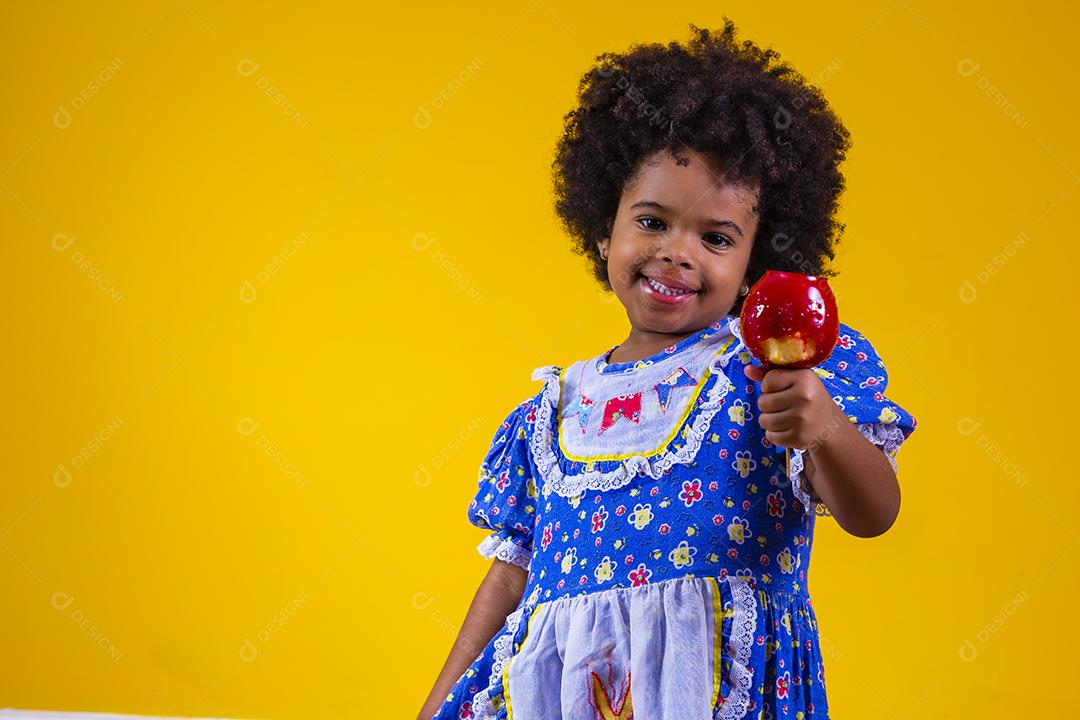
<point x="275" y="277"/>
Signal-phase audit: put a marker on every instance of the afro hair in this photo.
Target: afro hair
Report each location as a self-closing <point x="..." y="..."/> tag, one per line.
<point x="763" y="123"/>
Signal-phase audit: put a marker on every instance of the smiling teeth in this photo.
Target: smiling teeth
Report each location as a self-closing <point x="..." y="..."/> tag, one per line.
<point x="665" y="289"/>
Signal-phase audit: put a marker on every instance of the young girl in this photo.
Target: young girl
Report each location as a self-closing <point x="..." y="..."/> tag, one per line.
<point x="651" y="548"/>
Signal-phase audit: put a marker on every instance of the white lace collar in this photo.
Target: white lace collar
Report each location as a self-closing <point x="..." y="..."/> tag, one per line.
<point x="614" y="421"/>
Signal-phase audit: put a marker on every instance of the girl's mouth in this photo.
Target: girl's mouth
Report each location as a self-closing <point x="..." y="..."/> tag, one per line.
<point x="662" y="293"/>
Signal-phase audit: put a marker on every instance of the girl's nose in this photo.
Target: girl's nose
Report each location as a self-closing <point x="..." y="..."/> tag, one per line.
<point x="676" y="247"/>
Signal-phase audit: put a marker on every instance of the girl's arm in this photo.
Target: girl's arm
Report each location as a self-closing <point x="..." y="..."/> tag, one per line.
<point x="846" y="470"/>
<point x="855" y="480"/>
<point x="497" y="597"/>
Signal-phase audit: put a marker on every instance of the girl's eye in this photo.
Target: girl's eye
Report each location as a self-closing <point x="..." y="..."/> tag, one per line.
<point x="722" y="241"/>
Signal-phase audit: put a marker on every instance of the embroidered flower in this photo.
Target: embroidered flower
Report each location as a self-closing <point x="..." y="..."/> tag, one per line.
<point x="786" y="560"/>
<point x="777" y="503"/>
<point x="640" y="575"/>
<point x="641" y="516"/>
<point x="888" y="415"/>
<point x="682" y="555"/>
<point x="738" y="530"/>
<point x="545" y="537"/>
<point x="605" y="570"/>
<point x="691" y="492"/>
<point x="569" y="559"/>
<point x="782" y="684"/>
<point x="739" y="412"/>
<point x="744" y="463"/>
<point x="598" y="519"/>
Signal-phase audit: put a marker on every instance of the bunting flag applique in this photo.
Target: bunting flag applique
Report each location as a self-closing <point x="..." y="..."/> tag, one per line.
<point x="679" y="378"/>
<point x="627" y="406"/>
<point x="590" y="400"/>
<point x="580" y="407"/>
<point x="623" y="406"/>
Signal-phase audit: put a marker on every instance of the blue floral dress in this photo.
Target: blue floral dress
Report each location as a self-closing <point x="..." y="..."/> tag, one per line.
<point x="667" y="545"/>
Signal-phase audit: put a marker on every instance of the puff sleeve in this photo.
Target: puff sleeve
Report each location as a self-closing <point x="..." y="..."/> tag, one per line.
<point x="505" y="501"/>
<point x="855" y="376"/>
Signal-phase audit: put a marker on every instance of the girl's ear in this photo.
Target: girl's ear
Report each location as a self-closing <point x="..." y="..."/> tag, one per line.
<point x="603" y="246"/>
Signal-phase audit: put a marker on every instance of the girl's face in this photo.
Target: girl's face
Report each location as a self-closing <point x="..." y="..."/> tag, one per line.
<point x="683" y="224"/>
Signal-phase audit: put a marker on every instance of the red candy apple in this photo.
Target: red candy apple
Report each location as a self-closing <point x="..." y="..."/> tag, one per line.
<point x="789" y="319"/>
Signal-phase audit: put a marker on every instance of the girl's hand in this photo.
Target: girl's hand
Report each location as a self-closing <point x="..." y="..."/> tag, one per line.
<point x="794" y="408"/>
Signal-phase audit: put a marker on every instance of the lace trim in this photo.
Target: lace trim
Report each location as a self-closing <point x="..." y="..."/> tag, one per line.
<point x="482" y="707"/>
<point x="744" y="624"/>
<point x="505" y="549"/>
<point x="887" y="436"/>
<point x="542" y="439"/>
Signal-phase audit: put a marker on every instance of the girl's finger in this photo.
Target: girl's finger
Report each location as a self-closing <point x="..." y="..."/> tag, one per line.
<point x="780" y="439"/>
<point x="778" y="401"/>
<point x="778" y="379"/>
<point x="776" y="421"/>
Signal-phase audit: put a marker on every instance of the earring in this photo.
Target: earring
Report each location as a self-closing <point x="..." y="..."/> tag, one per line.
<point x="743" y="290"/>
<point x="603" y="255"/>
